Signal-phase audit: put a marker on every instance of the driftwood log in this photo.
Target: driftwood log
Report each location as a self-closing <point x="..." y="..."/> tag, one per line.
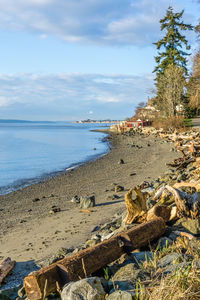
<point x="84" y="263"/>
<point x="136" y="208"/>
<point x="6" y="265"/>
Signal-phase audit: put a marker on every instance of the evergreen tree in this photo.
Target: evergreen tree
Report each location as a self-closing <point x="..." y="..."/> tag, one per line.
<point x="172" y="42"/>
<point x="171" y="57"/>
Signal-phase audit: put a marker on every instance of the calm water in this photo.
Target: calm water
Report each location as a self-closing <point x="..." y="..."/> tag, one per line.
<point x="30" y="152"/>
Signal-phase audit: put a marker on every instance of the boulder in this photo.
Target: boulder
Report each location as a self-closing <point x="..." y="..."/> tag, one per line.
<point x="120" y="295"/>
<point x="192" y="225"/>
<point x="125" y="278"/>
<point x="85" y="289"/>
<point x="87" y="201"/>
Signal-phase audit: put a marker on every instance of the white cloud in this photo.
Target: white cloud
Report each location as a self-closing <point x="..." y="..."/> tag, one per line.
<point x="4" y="101"/>
<point x="70" y="94"/>
<point x="113" y="22"/>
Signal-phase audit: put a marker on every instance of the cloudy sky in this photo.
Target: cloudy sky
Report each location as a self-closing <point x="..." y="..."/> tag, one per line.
<point x="77" y="59"/>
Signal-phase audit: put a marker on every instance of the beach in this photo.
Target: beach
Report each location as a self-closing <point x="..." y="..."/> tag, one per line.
<point x="29" y="231"/>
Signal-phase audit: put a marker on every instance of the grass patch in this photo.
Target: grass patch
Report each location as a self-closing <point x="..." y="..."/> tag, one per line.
<point x="182" y="284"/>
<point x="188" y="123"/>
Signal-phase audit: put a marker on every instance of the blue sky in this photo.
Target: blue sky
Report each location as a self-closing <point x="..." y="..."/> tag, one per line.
<point x="77" y="59"/>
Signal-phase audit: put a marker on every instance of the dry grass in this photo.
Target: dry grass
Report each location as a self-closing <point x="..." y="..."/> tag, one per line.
<point x="183" y="284"/>
<point x="170" y="123"/>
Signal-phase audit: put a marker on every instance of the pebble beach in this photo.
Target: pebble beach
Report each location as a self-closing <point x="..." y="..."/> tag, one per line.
<point x="31" y="230"/>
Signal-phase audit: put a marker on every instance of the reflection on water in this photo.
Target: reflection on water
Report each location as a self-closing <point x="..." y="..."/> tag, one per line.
<point x="29" y="151"/>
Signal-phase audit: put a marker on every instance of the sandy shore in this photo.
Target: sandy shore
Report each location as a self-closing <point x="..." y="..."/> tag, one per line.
<point x="29" y="231"/>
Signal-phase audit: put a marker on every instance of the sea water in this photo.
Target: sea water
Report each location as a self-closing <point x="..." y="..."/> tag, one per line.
<point x="33" y="151"/>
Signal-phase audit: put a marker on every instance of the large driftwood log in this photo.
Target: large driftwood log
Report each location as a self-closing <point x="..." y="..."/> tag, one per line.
<point x="6" y="265"/>
<point x="86" y="262"/>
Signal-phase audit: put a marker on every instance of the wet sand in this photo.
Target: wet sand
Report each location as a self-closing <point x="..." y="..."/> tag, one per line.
<point x="29" y="231"/>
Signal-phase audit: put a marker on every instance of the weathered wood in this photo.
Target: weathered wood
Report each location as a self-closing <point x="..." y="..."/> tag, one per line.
<point x="187" y="205"/>
<point x="196" y="184"/>
<point x="87" y="261"/>
<point x="136" y="208"/>
<point x="162" y="211"/>
<point x="6" y="265"/>
<point x="181" y="163"/>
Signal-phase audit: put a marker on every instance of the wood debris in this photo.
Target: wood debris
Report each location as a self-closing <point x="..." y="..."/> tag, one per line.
<point x="6" y="265"/>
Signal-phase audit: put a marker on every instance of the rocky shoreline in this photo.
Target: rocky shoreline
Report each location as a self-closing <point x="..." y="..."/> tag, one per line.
<point x="133" y="273"/>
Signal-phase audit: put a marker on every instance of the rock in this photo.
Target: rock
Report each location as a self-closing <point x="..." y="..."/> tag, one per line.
<point x="36" y="199"/>
<point x="10" y="294"/>
<point x="163" y="242"/>
<point x="169" y="259"/>
<point x="75" y="199"/>
<point x="90" y="243"/>
<point x="120" y="295"/>
<point x="173" y="236"/>
<point x="96" y="228"/>
<point x="144" y="185"/>
<point x="14" y="281"/>
<point x="121" y="162"/>
<point x="54" y="209"/>
<point x="192" y="225"/>
<point x="87" y="201"/>
<point x="128" y="273"/>
<point x="85" y="289"/>
<point x="96" y="237"/>
<point x="149" y="190"/>
<point x="140" y="257"/>
<point x="113" y="197"/>
<point x="133" y="174"/>
<point x="119" y="188"/>
<point x="121" y="285"/>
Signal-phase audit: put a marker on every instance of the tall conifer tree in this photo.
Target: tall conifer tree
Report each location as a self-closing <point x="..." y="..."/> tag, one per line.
<point x="172" y="42"/>
<point x="172" y="54"/>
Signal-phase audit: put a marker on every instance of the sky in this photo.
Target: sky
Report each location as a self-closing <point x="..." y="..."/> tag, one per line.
<point x="79" y="59"/>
